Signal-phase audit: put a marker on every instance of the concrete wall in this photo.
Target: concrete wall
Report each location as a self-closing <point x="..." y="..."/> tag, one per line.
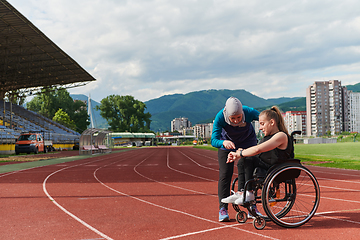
<point x="319" y="140"/>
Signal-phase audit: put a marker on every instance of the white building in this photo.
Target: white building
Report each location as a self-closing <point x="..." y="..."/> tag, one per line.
<point x="188" y="131"/>
<point x="354" y="111"/>
<point x="295" y="121"/>
<point x="203" y="130"/>
<point x="178" y="124"/>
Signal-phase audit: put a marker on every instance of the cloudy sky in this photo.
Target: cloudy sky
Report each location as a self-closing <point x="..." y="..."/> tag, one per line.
<point x="147" y="48"/>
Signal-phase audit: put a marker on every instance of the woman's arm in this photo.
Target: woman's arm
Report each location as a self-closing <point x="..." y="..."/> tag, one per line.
<point x="217" y="128"/>
<point x="219" y="123"/>
<point x="279" y="140"/>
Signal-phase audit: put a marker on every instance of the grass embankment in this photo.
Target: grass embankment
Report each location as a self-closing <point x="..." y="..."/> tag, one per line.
<point x="344" y="155"/>
<point x="23" y="157"/>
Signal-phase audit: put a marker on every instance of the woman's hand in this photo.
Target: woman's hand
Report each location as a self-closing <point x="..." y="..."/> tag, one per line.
<point x="228" y="144"/>
<point x="232" y="156"/>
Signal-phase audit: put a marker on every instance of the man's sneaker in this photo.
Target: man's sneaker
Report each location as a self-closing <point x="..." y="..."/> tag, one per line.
<point x="223" y="215"/>
<point x="249" y="196"/>
<point x="256" y="210"/>
<point x="232" y="198"/>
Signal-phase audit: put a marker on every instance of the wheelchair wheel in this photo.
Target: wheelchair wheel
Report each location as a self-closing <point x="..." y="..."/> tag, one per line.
<point x="233" y="187"/>
<point x="290" y="202"/>
<point x="241" y="217"/>
<point x="259" y="223"/>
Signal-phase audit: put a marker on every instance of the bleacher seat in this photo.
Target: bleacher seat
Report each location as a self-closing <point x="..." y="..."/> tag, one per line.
<point x="24" y="120"/>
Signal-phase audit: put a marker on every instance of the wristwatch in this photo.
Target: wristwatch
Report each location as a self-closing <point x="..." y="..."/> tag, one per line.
<point x="241" y="153"/>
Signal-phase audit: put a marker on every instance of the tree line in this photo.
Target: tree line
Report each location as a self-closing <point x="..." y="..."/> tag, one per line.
<point x="123" y="113"/>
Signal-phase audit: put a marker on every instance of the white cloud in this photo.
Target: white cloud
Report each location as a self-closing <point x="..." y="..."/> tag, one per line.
<point x="151" y="48"/>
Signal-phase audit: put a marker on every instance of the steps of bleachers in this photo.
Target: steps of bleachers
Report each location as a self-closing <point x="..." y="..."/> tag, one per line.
<point x="24" y="120"/>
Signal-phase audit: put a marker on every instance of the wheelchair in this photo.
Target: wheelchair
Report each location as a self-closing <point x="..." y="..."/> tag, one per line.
<point x="287" y="194"/>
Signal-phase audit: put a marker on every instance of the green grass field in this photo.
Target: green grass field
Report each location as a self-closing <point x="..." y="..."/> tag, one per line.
<point x="337" y="155"/>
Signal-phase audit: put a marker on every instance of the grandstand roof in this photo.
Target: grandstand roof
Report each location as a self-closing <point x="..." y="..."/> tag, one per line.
<point x="29" y="59"/>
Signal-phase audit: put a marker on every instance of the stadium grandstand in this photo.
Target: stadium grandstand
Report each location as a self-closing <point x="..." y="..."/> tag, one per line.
<point x="30" y="61"/>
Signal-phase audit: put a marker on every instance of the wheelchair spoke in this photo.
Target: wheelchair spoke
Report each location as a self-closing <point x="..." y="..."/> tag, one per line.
<point x="298" y="200"/>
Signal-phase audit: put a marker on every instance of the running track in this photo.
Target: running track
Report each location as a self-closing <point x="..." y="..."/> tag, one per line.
<point x="154" y="193"/>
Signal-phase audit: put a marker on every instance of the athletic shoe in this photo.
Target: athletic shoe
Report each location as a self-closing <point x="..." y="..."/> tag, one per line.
<point x="249" y="196"/>
<point x="256" y="210"/>
<point x="232" y="198"/>
<point x="223" y="215"/>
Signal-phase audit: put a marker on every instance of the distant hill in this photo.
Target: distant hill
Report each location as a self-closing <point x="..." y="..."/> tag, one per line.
<point x="201" y="106"/>
<point x="354" y="88"/>
<point x="295" y="105"/>
<point x="198" y="107"/>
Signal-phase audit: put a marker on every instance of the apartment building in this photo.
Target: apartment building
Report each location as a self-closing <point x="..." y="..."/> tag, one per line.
<point x="203" y="130"/>
<point x="295" y="121"/>
<point x="178" y="124"/>
<point x="354" y="111"/>
<point x="326" y="108"/>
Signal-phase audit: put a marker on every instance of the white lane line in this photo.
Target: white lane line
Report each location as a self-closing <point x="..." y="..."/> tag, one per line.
<point x="199" y="232"/>
<point x="208" y="230"/>
<point x="214" y="159"/>
<point x="189" y="174"/>
<point x="173" y="210"/>
<point x="216" y="163"/>
<point x="341" y="189"/>
<point x="18" y="171"/>
<point x="339" y="199"/>
<point x="197" y="162"/>
<point x="339" y="219"/>
<point x="336" y="199"/>
<point x="66" y="211"/>
<point x="168" y="164"/>
<point x="166" y="184"/>
<point x="337" y="173"/>
<point x="337" y="180"/>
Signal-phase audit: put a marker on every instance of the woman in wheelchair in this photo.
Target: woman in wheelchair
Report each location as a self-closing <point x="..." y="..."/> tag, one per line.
<point x="274" y="148"/>
<point x="289" y="193"/>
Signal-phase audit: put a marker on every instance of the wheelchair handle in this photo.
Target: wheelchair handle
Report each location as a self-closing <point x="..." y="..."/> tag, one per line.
<point x="295" y="132"/>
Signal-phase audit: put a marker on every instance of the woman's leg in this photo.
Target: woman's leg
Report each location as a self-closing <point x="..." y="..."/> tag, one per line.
<point x="246" y="167"/>
<point x="241" y="174"/>
<point x="225" y="174"/>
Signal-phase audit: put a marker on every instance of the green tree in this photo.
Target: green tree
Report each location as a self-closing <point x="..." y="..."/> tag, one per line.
<point x="44" y="103"/>
<point x="64" y="119"/>
<point x="16" y="97"/>
<point x="50" y="100"/>
<point x="80" y="116"/>
<point x="124" y="113"/>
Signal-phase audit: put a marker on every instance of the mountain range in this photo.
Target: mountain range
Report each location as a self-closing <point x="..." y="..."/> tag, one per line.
<point x="354" y="88"/>
<point x="198" y="107"/>
<point x="202" y="106"/>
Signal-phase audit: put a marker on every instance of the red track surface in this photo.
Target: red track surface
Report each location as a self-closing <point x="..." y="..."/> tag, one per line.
<point x="154" y="193"/>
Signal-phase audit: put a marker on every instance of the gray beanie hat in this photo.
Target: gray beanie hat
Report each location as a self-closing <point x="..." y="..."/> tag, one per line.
<point x="233" y="107"/>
